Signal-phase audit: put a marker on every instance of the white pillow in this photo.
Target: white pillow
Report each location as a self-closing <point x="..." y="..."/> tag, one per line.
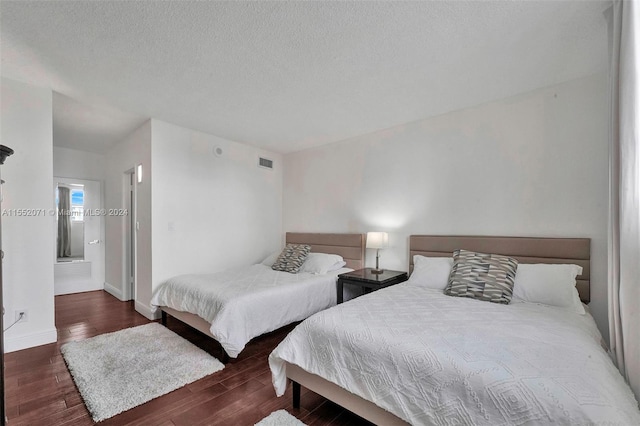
<point x="548" y="284"/>
<point x="431" y="272"/>
<point x="321" y="263"/>
<point x="271" y="259"/>
<point x="337" y="266"/>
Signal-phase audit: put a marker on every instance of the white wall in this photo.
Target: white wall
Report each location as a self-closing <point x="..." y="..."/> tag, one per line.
<point x="78" y="164"/>
<point x="26" y="117"/>
<point x="133" y="150"/>
<point x="211" y="212"/>
<point x="77" y="238"/>
<point x="530" y="165"/>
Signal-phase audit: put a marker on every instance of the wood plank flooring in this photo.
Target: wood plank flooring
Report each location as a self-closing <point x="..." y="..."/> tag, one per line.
<point x="40" y="390"/>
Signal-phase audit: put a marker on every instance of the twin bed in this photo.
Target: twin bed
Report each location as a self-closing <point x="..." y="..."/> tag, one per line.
<point x="236" y="305"/>
<point x="411" y="354"/>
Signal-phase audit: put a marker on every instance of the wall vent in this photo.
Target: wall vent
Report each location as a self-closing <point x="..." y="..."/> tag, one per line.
<point x="266" y="163"/>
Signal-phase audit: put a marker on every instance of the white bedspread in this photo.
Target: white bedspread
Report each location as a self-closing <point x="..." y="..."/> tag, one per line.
<point x="246" y="302"/>
<point x="435" y="359"/>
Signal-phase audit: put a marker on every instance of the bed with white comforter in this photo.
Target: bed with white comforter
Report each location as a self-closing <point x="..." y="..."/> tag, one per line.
<point x="429" y="358"/>
<point x="246" y="302"/>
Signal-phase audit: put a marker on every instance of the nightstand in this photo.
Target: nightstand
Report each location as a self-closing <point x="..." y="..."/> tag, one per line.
<point x="369" y="281"/>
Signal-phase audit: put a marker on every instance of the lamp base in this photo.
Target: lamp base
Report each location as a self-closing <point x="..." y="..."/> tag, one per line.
<point x="377" y="269"/>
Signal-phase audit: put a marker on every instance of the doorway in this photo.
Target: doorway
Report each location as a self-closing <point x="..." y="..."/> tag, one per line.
<point x="79" y="233"/>
<point x="130" y="237"/>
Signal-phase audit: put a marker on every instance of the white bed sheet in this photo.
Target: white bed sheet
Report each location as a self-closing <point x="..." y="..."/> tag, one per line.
<point x="435" y="359"/>
<point x="243" y="303"/>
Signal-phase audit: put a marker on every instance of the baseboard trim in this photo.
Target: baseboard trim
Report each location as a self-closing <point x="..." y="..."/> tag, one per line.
<point x="115" y="292"/>
<point x="26" y="341"/>
<point x="78" y="287"/>
<point x="146" y="311"/>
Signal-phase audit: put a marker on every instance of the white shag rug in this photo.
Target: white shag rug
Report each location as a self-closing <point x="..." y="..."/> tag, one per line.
<point x="280" y="418"/>
<point x="115" y="372"/>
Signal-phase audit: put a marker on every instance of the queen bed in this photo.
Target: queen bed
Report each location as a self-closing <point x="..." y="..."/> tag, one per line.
<point x="236" y="305"/>
<point x="411" y="354"/>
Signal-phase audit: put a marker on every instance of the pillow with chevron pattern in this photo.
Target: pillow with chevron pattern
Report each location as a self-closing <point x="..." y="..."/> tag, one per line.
<point x="482" y="276"/>
<point x="291" y="258"/>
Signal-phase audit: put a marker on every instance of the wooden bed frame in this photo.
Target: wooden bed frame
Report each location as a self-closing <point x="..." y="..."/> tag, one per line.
<point x="350" y="246"/>
<point x="525" y="249"/>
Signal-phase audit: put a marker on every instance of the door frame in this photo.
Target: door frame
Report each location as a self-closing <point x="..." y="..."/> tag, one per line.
<point x="130" y="236"/>
<point x="99" y="267"/>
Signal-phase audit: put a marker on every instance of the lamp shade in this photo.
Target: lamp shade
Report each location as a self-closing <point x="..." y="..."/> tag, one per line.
<point x="377" y="240"/>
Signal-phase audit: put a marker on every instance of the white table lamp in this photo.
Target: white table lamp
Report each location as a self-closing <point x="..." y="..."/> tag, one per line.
<point x="377" y="240"/>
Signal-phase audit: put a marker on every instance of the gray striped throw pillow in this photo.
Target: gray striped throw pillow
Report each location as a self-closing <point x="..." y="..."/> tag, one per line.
<point x="482" y="276"/>
<point x="291" y="258"/>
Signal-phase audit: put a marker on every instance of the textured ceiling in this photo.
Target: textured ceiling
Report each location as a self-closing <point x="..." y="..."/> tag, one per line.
<point x="89" y="128"/>
<point x="290" y="75"/>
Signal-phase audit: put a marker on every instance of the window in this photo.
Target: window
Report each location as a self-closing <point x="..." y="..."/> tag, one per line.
<point x="77" y="205"/>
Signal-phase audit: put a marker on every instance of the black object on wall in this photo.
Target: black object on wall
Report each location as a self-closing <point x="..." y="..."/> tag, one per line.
<point x="4" y="153"/>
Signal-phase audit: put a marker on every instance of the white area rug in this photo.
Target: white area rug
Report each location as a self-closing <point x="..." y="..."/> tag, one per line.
<point x="280" y="418"/>
<point x="115" y="372"/>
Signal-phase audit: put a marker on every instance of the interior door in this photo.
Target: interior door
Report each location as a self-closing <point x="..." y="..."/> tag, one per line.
<point x="130" y="236"/>
<point x="94" y="232"/>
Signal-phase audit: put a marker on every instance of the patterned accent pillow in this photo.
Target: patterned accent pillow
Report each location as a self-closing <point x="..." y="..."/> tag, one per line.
<point x="482" y="276"/>
<point x="291" y="258"/>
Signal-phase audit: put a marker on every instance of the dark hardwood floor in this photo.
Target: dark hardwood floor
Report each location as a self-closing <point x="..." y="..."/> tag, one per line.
<point x="40" y="390"/>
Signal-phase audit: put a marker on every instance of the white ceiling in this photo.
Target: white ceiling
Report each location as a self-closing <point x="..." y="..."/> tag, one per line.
<point x="90" y="128"/>
<point x="286" y="76"/>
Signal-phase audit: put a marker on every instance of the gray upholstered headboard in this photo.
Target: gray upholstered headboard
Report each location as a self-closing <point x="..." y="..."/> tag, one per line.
<point x="349" y="246"/>
<point x="524" y="249"/>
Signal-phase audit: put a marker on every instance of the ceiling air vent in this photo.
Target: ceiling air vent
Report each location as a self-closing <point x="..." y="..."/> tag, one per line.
<point x="266" y="163"/>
